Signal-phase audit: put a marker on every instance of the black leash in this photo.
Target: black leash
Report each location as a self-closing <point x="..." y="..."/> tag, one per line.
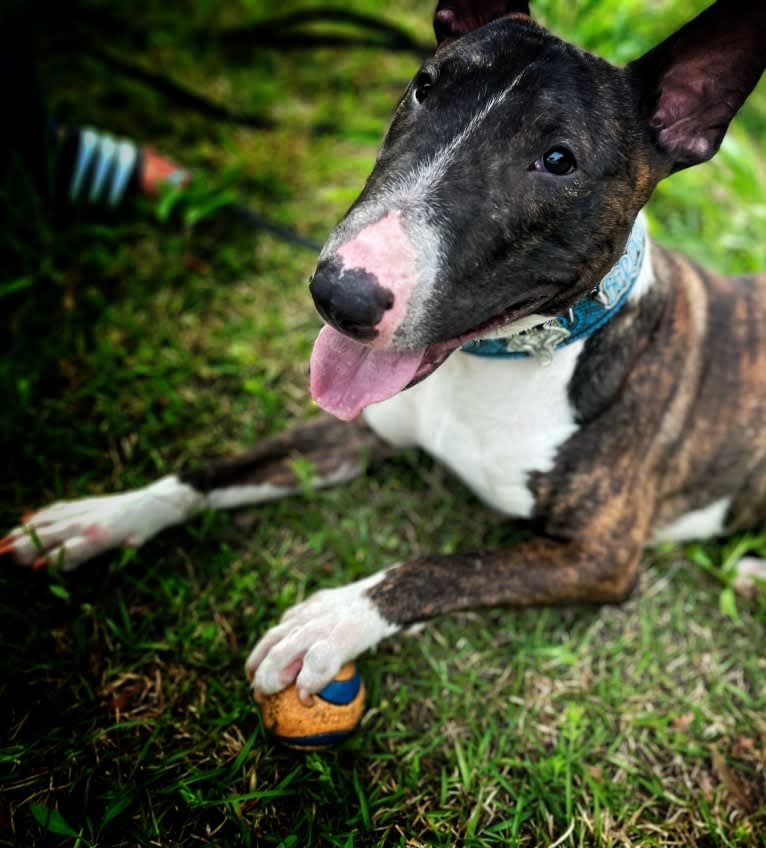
<point x="275" y="32"/>
<point x="280" y="231"/>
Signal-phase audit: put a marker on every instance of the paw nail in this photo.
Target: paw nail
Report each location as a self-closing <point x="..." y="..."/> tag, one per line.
<point x="306" y="698"/>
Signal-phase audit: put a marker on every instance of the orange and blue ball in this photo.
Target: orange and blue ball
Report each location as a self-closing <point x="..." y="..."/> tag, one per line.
<point x="334" y="714"/>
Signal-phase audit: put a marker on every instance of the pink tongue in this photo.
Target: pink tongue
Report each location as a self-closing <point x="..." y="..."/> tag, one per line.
<point x="346" y="376"/>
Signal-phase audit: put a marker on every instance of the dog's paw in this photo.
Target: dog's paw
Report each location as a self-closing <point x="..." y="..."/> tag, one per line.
<point x="751" y="577"/>
<point x="68" y="533"/>
<point x="315" y="638"/>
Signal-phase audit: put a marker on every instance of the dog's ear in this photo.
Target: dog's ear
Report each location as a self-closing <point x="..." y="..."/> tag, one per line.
<point x="454" y="18"/>
<point x="693" y="84"/>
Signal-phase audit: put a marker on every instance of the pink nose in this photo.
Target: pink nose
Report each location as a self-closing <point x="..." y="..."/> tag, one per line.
<point x="377" y="267"/>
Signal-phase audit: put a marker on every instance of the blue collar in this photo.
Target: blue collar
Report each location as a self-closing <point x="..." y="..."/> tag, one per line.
<point x="584" y="318"/>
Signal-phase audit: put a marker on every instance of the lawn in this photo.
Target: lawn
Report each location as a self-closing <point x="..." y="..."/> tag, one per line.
<point x="137" y="340"/>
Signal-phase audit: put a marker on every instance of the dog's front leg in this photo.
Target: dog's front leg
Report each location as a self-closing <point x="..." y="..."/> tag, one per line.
<point x="316" y="637"/>
<point x="71" y="532"/>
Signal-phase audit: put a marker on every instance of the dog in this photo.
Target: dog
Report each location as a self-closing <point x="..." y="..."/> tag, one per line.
<point x="492" y="297"/>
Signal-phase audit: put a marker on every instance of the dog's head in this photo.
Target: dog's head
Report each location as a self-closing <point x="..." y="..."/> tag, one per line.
<point x="508" y="182"/>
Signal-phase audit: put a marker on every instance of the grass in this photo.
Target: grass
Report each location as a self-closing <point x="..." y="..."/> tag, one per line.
<point x="137" y="340"/>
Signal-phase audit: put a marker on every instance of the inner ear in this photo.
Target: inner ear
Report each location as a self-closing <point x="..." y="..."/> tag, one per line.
<point x="693" y="84"/>
<point x="454" y="18"/>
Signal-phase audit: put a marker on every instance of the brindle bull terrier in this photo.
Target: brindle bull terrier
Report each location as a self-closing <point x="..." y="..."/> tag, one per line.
<point x="492" y="297"/>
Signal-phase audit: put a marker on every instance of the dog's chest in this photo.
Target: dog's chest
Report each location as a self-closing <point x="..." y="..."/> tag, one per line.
<point x="492" y="421"/>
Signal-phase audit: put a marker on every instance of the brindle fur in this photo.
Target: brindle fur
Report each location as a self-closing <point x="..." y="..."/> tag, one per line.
<point x="667" y="441"/>
<point x="701" y="438"/>
<point x="670" y="396"/>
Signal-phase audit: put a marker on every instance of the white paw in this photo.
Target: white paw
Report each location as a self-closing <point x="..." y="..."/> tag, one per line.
<point x="70" y="532"/>
<point x="751" y="576"/>
<point x="315" y="638"/>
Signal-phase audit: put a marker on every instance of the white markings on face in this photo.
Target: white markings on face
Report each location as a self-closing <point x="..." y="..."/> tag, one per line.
<point x="412" y="195"/>
<point x="420" y="182"/>
<point x="383" y="250"/>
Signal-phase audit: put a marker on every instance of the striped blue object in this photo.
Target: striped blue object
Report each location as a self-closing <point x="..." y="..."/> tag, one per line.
<point x="103" y="167"/>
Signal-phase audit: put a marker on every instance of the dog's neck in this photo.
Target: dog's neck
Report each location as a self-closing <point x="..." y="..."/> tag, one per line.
<point x="547" y="335"/>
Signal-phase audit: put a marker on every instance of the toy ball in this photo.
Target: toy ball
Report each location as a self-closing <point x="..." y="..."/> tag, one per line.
<point x="329" y="720"/>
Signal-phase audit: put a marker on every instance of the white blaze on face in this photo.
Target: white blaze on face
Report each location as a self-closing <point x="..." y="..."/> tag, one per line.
<point x="346" y="375"/>
<point x="395" y="234"/>
<point x="383" y="250"/>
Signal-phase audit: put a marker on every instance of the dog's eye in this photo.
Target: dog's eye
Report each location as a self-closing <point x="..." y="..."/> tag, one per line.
<point x="558" y="160"/>
<point x="422" y="86"/>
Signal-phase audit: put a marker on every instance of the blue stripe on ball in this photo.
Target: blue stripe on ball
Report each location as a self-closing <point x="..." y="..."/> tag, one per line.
<point x="342" y="692"/>
<point x="320" y="740"/>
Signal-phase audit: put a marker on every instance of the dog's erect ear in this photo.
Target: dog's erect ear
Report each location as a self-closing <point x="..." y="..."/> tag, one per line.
<point x="454" y="18"/>
<point x="693" y="84"/>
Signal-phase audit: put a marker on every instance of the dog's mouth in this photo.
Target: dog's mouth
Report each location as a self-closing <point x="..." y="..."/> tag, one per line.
<point x="347" y="376"/>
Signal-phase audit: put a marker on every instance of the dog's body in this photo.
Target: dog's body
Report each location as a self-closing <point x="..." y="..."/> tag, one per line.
<point x="506" y="193"/>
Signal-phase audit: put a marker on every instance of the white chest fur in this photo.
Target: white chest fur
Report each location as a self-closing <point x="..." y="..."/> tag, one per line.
<point x="492" y="421"/>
